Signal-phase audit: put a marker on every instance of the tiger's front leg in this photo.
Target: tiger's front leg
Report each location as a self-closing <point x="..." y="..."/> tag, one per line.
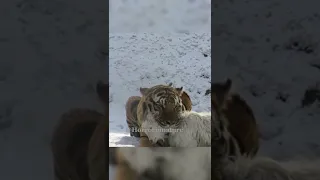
<point x="144" y="140"/>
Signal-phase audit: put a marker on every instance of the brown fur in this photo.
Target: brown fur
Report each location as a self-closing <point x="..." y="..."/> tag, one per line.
<point x="123" y="170"/>
<point x="97" y="153"/>
<point x="78" y="142"/>
<point x="96" y="156"/>
<point x="131" y="114"/>
<point x="186" y="101"/>
<point x="70" y="141"/>
<point x="144" y="141"/>
<point x="219" y="94"/>
<point x="242" y="123"/>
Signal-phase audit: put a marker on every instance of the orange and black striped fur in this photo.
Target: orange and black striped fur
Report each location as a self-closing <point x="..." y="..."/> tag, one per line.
<point x="78" y="143"/>
<point x="132" y="109"/>
<point x="131" y="114"/>
<point x="240" y="119"/>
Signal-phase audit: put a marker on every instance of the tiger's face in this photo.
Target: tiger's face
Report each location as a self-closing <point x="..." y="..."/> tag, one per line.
<point x="163" y="104"/>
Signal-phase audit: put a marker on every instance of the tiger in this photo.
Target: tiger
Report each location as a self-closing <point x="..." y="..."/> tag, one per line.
<point x="161" y="164"/>
<point x="147" y="163"/>
<point x="136" y="107"/>
<point x="159" y="105"/>
<point x="237" y="116"/>
<point x="77" y="143"/>
<point x="225" y="145"/>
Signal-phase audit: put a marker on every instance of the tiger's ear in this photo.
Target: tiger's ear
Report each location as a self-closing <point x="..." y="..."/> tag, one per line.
<point x="227" y="86"/>
<point x="186" y="101"/>
<point x="144" y="91"/>
<point x="220" y="93"/>
<point x="226" y="92"/>
<point x="102" y="90"/>
<point x="179" y="91"/>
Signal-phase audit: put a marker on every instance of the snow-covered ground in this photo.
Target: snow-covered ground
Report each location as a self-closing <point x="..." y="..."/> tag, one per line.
<point x="51" y="58"/>
<point x="165" y="16"/>
<point x="177" y="39"/>
<point x="52" y="54"/>
<point x="270" y="49"/>
<point x="145" y="60"/>
<point x="255" y="46"/>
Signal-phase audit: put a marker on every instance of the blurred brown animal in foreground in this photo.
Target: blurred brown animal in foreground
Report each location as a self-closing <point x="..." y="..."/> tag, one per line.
<point x="78" y="143"/>
<point x="240" y="119"/>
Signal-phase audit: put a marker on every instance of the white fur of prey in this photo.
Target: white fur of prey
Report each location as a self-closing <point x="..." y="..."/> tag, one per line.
<point x="195" y="130"/>
<point x="180" y="163"/>
<point x="263" y="168"/>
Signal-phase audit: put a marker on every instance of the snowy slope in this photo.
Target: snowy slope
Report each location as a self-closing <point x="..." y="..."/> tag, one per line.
<point x="42" y="75"/>
<point x="269" y="49"/>
<point x="139" y="16"/>
<point x="165" y="16"/>
<point x="145" y="60"/>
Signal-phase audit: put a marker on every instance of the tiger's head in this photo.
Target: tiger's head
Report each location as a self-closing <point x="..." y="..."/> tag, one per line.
<point x="163" y="104"/>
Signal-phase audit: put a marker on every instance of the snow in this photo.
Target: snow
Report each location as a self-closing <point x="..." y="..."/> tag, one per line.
<point x="55" y="75"/>
<point x="254" y="45"/>
<point x="161" y="18"/>
<point x="146" y="59"/>
<point x="165" y="16"/>
<point x="63" y="48"/>
<point x="153" y="42"/>
<point x="43" y="73"/>
<point x="256" y="48"/>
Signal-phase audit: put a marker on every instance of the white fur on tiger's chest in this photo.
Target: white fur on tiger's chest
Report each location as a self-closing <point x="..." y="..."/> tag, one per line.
<point x="152" y="129"/>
